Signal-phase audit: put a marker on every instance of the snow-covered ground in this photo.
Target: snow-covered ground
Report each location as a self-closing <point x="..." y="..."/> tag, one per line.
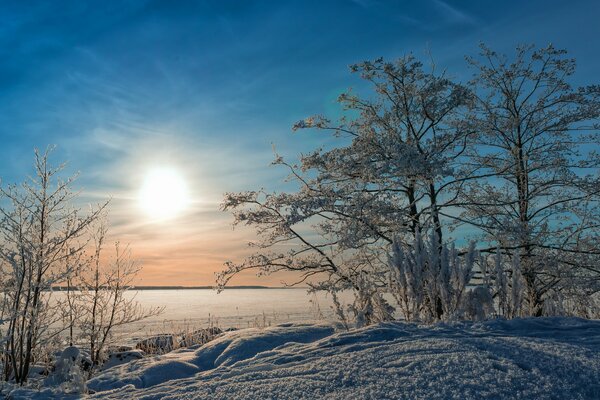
<point x="544" y="358"/>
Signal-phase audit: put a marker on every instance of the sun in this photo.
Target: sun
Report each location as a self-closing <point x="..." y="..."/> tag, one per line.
<point x="164" y="193"/>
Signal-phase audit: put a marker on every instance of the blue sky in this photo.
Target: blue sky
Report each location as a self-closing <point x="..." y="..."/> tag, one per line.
<point x="209" y="86"/>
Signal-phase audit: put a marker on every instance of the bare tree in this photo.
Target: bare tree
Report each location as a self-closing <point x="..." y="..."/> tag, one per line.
<point x="405" y="143"/>
<point x="506" y="155"/>
<point x="535" y="142"/>
<point x="103" y="302"/>
<point x="390" y="177"/>
<point x="40" y="230"/>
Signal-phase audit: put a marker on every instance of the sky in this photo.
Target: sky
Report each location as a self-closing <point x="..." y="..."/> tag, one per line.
<point x="210" y="88"/>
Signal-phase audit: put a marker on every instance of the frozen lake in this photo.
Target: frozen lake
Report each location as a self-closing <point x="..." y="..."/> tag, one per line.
<point x="188" y="309"/>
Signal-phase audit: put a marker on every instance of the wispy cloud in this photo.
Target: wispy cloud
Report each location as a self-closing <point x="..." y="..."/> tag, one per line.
<point x="206" y="87"/>
<point x="454" y="14"/>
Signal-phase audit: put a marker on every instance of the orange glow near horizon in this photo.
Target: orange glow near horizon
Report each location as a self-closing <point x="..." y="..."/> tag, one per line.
<point x="186" y="249"/>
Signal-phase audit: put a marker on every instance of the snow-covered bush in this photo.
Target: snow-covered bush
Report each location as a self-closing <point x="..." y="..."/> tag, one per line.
<point x="509" y="286"/>
<point x="159" y="344"/>
<point x="369" y="306"/>
<point x="67" y="372"/>
<point x="199" y="336"/>
<point x="121" y="357"/>
<point x="512" y="295"/>
<point x="477" y="303"/>
<point x="429" y="282"/>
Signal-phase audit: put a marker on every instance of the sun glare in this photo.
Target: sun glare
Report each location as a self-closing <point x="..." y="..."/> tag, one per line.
<point x="164" y="193"/>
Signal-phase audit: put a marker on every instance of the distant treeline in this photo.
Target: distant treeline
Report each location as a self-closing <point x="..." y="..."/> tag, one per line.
<point x="65" y="288"/>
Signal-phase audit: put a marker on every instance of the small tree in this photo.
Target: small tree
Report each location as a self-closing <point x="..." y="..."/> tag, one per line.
<point x="102" y="303"/>
<point x="40" y="229"/>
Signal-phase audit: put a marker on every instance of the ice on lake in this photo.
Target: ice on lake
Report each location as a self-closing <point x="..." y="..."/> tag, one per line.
<point x="188" y="309"/>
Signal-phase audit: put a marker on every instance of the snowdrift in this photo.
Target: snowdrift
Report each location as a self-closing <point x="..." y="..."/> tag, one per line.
<point x="542" y="358"/>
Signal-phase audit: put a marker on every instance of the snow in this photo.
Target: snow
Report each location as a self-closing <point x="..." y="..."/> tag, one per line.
<point x="223" y="351"/>
<point x="542" y="358"/>
<point x="122" y="357"/>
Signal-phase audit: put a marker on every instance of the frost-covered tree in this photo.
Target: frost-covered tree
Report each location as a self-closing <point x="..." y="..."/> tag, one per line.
<point x="103" y="302"/>
<point x="391" y="173"/>
<point x="40" y="229"/>
<point x="404" y="145"/>
<point x="510" y="155"/>
<point x="536" y="146"/>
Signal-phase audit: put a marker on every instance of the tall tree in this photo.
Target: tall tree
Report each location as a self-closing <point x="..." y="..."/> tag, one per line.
<point x="390" y="176"/>
<point x="537" y="140"/>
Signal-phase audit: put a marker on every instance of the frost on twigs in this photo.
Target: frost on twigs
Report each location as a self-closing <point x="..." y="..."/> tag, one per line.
<point x="503" y="160"/>
<point x="42" y="239"/>
<point x="425" y="280"/>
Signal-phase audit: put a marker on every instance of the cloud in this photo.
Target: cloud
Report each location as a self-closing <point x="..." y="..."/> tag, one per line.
<point x="453" y="14"/>
<point x="207" y="87"/>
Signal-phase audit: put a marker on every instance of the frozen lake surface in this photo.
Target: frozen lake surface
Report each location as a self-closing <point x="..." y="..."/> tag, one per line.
<point x="188" y="309"/>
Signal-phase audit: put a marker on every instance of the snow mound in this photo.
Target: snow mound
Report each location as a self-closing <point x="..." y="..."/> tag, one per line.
<point x="224" y="351"/>
<point x="542" y="358"/>
<point x="122" y="357"/>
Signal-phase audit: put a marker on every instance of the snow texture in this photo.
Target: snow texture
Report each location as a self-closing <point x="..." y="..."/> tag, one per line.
<point x="122" y="357"/>
<point x="542" y="358"/>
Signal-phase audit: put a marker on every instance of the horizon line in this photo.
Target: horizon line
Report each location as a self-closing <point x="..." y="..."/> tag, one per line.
<point x="176" y="287"/>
